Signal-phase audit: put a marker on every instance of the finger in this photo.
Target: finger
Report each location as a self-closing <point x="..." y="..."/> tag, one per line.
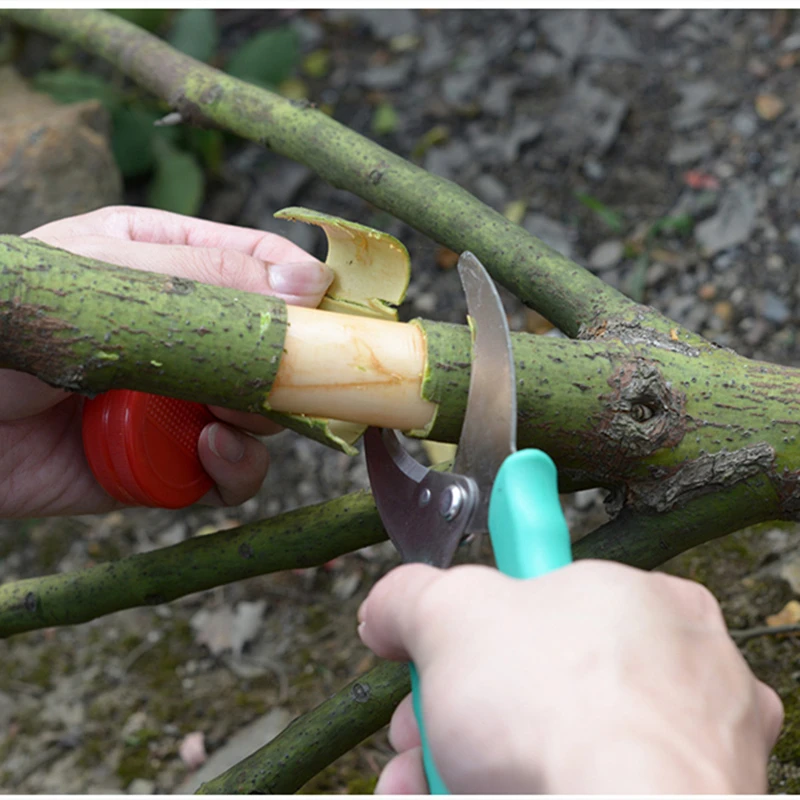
<point x="404" y="774"/>
<point x="403" y="729"/>
<point x="25" y="396"/>
<point x="387" y="618"/>
<point x="236" y="462"/>
<point x="163" y="227"/>
<point x="300" y="283"/>
<point x="771" y="711"/>
<point x="252" y="423"/>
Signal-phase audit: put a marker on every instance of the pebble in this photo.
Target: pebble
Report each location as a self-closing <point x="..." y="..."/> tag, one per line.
<point x="733" y="223"/>
<point x="491" y="190"/>
<point x="774" y="309"/>
<point x="668" y="18"/>
<point x="724" y="310"/>
<point x="769" y="106"/>
<point x="550" y="231"/>
<point x="708" y="291"/>
<point x="141" y="786"/>
<point x="606" y="255"/>
<point x="745" y="124"/>
<point x="683" y="153"/>
<point x="755" y="331"/>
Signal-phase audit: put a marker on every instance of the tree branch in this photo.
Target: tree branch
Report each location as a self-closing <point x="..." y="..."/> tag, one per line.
<point x="329" y="731"/>
<point x="563" y="291"/>
<point x="305" y="537"/>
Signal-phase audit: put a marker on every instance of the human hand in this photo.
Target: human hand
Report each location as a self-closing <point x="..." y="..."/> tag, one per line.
<point x="595" y="678"/>
<point x="43" y="471"/>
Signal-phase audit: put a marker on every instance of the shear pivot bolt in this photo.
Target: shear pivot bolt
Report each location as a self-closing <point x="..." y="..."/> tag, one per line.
<point x="450" y="502"/>
<point x="424" y="498"/>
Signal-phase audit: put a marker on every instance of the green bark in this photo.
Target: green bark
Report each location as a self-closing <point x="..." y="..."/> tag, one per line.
<point x="329" y="731"/>
<point x="305" y="537"/>
<point x="88" y="326"/>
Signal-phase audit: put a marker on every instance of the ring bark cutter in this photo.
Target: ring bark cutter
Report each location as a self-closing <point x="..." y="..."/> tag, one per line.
<point x="492" y="487"/>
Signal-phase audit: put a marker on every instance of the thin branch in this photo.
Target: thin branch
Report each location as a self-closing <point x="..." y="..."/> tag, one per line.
<point x="305" y="537"/>
<point x="742" y="636"/>
<point x="329" y="731"/>
<point x="565" y="292"/>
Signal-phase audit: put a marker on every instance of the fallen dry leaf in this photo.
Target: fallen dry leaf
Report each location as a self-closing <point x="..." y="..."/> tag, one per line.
<point x="769" y="106"/>
<point x="788" y="615"/>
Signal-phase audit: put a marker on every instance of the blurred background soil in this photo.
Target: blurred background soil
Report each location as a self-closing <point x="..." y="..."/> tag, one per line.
<point x="657" y="148"/>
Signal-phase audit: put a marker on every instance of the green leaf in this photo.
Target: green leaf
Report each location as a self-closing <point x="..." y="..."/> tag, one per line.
<point x="679" y="225"/>
<point x="179" y="182"/>
<point x="384" y="120"/>
<point x="267" y="58"/>
<point x="195" y="33"/>
<point x="208" y="144"/>
<point x="148" y="18"/>
<point x="612" y="219"/>
<point x="70" y="85"/>
<point x="132" y="138"/>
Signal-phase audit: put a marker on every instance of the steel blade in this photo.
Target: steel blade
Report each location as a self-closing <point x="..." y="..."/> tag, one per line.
<point x="489" y="433"/>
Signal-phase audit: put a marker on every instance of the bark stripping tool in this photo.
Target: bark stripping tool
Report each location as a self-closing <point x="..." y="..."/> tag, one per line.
<point x="492" y="487"/>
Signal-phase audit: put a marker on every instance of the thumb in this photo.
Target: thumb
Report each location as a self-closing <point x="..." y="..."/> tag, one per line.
<point x="301" y="283"/>
<point x="390" y="616"/>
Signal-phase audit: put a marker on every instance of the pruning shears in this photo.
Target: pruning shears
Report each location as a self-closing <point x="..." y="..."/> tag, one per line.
<point x="492" y="486"/>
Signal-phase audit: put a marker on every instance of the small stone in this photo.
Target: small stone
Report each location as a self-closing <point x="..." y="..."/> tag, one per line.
<point x="609" y="42"/>
<point x="425" y="302"/>
<point x="606" y="255"/>
<point x="668" y="19"/>
<point x="496" y="100"/>
<point x="724" y="310"/>
<point x="491" y="190"/>
<point x="774" y="309"/>
<point x="791" y="42"/>
<point x="756" y="330"/>
<point x="141" y="786"/>
<point x="775" y="262"/>
<point x="769" y="106"/>
<point x="390" y="76"/>
<point x="745" y="124"/>
<point x="734" y="221"/>
<point x="593" y="169"/>
<point x="542" y="64"/>
<point x="684" y="153"/>
<point x="552" y="233"/>
<point x="708" y="291"/>
<point x="460" y="88"/>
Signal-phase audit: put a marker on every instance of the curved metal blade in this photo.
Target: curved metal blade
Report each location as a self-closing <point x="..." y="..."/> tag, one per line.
<point x="489" y="433"/>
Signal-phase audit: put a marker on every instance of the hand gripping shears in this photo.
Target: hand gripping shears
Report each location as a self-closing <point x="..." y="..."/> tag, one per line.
<point x="493" y="486"/>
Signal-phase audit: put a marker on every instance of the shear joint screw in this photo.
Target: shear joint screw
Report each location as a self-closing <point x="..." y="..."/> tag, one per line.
<point x="424" y="498"/>
<point x="450" y="502"/>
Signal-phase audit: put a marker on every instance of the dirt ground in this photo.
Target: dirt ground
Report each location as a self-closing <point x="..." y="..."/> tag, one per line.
<point x="658" y="148"/>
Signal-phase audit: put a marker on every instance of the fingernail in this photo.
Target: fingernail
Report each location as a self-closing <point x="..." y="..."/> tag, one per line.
<point x="225" y="443"/>
<point x="305" y="278"/>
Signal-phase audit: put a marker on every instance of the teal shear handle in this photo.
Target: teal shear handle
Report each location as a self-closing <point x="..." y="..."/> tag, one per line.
<point x="529" y="533"/>
<point x="529" y="536"/>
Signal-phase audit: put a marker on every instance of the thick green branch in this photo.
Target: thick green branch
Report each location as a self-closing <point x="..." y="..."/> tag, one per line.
<point x="305" y="537"/>
<point x="319" y="737"/>
<point x="547" y="281"/>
